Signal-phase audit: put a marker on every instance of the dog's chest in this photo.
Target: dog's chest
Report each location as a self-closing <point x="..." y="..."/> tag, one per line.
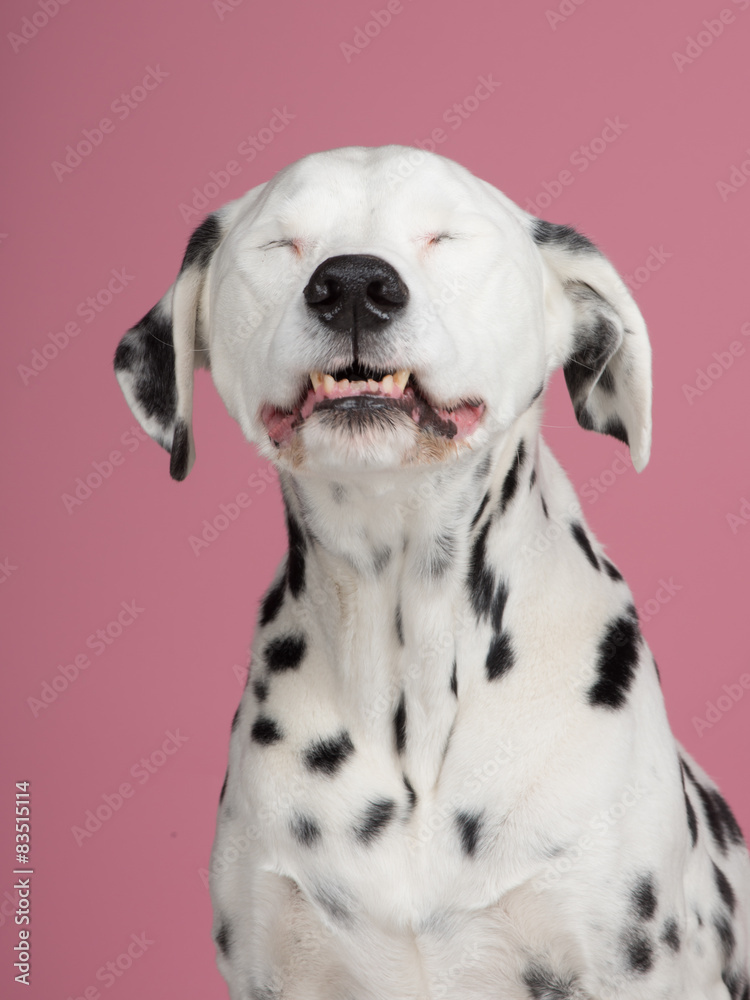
<point x="378" y="766"/>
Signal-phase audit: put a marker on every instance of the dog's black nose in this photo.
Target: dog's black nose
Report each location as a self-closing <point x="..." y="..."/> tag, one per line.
<point x="355" y="292"/>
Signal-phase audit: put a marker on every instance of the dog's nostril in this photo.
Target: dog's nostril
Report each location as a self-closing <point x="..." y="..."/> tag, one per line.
<point x="387" y="294"/>
<point x="322" y="293"/>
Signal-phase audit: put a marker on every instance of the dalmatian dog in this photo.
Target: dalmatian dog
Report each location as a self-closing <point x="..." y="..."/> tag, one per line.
<point x="451" y="773"/>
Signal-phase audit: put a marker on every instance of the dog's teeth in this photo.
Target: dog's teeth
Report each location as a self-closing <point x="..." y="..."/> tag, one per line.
<point x="358" y="386"/>
<point x="387" y="385"/>
<point x="343" y="384"/>
<point x="316" y="378"/>
<point x="372" y="385"/>
<point x="401" y="377"/>
<point x="328" y="383"/>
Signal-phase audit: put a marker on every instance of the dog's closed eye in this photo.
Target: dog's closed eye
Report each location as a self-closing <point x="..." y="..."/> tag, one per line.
<point x="431" y="239"/>
<point x="295" y="244"/>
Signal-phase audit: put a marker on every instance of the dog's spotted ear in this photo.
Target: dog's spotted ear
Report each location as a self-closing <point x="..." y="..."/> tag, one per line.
<point x="596" y="332"/>
<point x="155" y="360"/>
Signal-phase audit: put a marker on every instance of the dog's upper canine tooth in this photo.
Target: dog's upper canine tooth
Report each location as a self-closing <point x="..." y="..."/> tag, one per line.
<point x="401" y="377"/>
<point x="316" y="378"/>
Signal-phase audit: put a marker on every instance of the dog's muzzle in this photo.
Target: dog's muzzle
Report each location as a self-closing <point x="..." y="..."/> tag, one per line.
<point x="355" y="298"/>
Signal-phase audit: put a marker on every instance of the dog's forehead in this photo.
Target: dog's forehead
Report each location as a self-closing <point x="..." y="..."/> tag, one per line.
<point x="365" y="189"/>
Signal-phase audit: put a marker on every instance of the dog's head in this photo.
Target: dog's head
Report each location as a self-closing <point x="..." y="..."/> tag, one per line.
<point x="377" y="308"/>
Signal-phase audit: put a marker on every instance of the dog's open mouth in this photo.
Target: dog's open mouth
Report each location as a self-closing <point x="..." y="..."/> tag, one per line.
<point x="356" y="394"/>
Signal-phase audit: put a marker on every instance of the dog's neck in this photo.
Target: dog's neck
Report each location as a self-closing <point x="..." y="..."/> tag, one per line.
<point x="383" y="575"/>
<point x="355" y="526"/>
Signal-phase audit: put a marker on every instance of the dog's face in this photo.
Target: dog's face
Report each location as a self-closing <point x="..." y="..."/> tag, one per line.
<point x="378" y="308"/>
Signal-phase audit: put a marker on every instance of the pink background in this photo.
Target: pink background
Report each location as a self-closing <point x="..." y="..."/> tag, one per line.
<point x="179" y="666"/>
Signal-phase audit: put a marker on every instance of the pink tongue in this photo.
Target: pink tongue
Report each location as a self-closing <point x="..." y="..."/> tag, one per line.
<point x="465" y="418"/>
<point x="278" y="424"/>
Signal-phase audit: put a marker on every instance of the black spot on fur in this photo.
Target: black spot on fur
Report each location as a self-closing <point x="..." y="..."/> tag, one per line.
<point x="480" y="510"/>
<point x="583" y="540"/>
<point x="264" y="993"/>
<point x="380" y="559"/>
<point x="724" y="827"/>
<point x="607" y="382"/>
<point x="616" y="428"/>
<point x="691" y="820"/>
<point x="617" y="661"/>
<point x="737" y="984"/>
<point x="643" y="898"/>
<point x="223" y="791"/>
<point x="334" y="903"/>
<point x="399" y="626"/>
<point x="725" y="890"/>
<point x="612" y="571"/>
<point x="481" y="581"/>
<point x="538" y="393"/>
<point x="272" y="602"/>
<point x="510" y="484"/>
<point x="180" y="451"/>
<point x="532" y="478"/>
<point x="564" y="237"/>
<point x="671" y="935"/>
<point x="544" y="506"/>
<point x="295" y="567"/>
<point x="585" y="419"/>
<point x="498" y="605"/>
<point x="265" y="731"/>
<point x="730" y="824"/>
<point x="484" y="467"/>
<point x="595" y="341"/>
<point x="543" y="984"/>
<point x="440" y="555"/>
<point x="376" y="818"/>
<point x="236" y="718"/>
<point x="147" y="352"/>
<point x="454" y="679"/>
<point x="726" y="936"/>
<point x="469" y="826"/>
<point x="410" y="792"/>
<point x="223" y="938"/>
<point x="285" y="652"/>
<point x="260" y="689"/>
<point x="327" y="756"/>
<point x="399" y="724"/>
<point x="305" y="830"/>
<point x="639" y="953"/>
<point x="500" y="656"/>
<point x="202" y="243"/>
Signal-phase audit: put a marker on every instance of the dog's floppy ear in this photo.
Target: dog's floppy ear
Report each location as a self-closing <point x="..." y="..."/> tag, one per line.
<point x="597" y="333"/>
<point x="155" y="360"/>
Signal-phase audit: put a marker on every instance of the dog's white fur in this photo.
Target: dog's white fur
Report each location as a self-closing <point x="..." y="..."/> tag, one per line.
<point x="548" y="853"/>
